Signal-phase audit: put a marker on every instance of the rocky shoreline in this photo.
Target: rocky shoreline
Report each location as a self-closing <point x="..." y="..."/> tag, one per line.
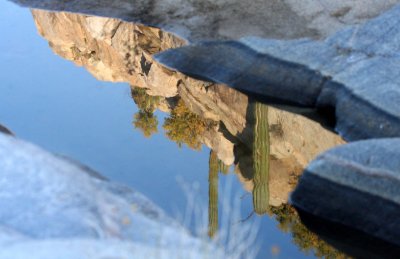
<point x="346" y="69"/>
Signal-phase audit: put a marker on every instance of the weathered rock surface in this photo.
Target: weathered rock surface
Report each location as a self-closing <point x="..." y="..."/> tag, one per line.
<point x="222" y="19"/>
<point x="50" y="207"/>
<point x="356" y="185"/>
<point x="352" y="70"/>
<point x="355" y="72"/>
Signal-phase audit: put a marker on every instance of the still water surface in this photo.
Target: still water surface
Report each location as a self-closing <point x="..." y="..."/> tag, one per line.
<point x="120" y="131"/>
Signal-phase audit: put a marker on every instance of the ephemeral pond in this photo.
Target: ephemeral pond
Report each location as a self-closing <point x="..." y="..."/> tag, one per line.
<point x="263" y="147"/>
<point x="192" y="147"/>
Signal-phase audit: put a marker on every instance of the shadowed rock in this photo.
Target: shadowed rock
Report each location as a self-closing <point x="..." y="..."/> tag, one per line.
<point x="356" y="185"/>
<point x="353" y="242"/>
<point x="5" y="130"/>
<point x="354" y="72"/>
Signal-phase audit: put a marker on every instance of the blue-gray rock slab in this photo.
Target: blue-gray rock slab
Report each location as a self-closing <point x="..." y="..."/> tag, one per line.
<point x="356" y="185"/>
<point x="354" y="72"/>
<point x="229" y="19"/>
<point x="51" y="203"/>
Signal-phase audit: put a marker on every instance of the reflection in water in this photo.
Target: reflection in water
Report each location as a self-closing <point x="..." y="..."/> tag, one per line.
<point x="268" y="147"/>
<point x="261" y="159"/>
<point x="213" y="194"/>
<point x="253" y="165"/>
<point x="215" y="166"/>
<point x="307" y="241"/>
<point x="144" y="119"/>
<point x="185" y="127"/>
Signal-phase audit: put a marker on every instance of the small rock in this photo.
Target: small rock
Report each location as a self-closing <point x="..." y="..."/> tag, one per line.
<point x="5" y="130"/>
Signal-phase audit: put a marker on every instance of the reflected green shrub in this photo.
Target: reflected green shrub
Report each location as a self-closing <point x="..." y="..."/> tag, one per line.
<point x="185" y="127"/>
<point x="144" y="119"/>
<point x="144" y="101"/>
<point x="146" y="122"/>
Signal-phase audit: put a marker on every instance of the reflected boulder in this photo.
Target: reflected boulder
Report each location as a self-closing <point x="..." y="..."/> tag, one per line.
<point x="356" y="185"/>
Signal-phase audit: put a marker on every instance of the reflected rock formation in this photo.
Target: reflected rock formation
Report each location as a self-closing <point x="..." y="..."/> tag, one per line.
<point x="122" y="52"/>
<point x="268" y="147"/>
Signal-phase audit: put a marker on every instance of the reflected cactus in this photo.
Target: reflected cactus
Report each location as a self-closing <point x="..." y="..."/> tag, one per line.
<point x="213" y="194"/>
<point x="261" y="159"/>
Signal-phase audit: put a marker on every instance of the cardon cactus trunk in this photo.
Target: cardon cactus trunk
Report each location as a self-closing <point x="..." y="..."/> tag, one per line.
<point x="213" y="194"/>
<point x="261" y="159"/>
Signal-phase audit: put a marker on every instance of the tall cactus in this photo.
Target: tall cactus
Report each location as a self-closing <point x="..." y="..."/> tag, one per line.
<point x="213" y="194"/>
<point x="261" y="159"/>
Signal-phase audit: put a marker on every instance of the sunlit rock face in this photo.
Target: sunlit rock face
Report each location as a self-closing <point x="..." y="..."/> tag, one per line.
<point x="53" y="207"/>
<point x="222" y="19"/>
<point x="122" y="52"/>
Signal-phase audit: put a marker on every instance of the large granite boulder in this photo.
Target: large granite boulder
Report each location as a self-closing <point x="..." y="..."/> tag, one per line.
<point x="209" y="19"/>
<point x="357" y="186"/>
<point x="51" y="207"/>
<point x="353" y="73"/>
